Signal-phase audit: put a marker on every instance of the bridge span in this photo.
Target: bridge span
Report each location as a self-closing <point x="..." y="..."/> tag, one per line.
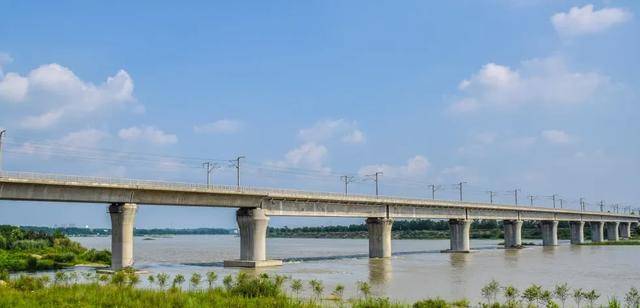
<point x="256" y="205"/>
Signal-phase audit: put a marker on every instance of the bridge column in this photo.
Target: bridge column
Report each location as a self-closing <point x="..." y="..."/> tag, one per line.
<point x="549" y="232"/>
<point x="379" y="237"/>
<point x="252" y="224"/>
<point x="577" y="232"/>
<point x="122" y="218"/>
<point x="625" y="230"/>
<point x="459" y="233"/>
<point x="512" y="233"/>
<point x="597" y="231"/>
<point x="612" y="231"/>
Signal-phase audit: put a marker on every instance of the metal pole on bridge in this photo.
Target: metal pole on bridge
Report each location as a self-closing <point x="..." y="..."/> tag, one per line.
<point x="347" y="179"/>
<point x="491" y="195"/>
<point x="1" y="134"/>
<point x="236" y="163"/>
<point x="460" y="188"/>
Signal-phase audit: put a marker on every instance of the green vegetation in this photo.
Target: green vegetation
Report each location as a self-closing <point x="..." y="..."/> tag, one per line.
<point x="29" y="250"/>
<point x="419" y="229"/>
<point x="631" y="242"/>
<point x="121" y="290"/>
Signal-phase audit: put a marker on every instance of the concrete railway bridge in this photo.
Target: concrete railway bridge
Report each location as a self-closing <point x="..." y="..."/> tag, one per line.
<point x="256" y="205"/>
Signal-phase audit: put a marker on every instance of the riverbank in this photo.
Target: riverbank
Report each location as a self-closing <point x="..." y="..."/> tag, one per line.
<point x="28" y="250"/>
<point x="120" y="290"/>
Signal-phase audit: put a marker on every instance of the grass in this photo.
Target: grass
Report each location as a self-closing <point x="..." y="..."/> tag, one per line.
<point x="119" y="290"/>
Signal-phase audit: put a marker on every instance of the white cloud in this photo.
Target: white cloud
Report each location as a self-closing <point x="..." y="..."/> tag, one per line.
<point x="584" y="20"/>
<point x="356" y="136"/>
<point x="41" y="121"/>
<point x="556" y="136"/>
<point x="539" y="81"/>
<point x="13" y="88"/>
<point x="221" y="126"/>
<point x="55" y="90"/>
<point x="416" y="166"/>
<point x="147" y="134"/>
<point x="88" y="138"/>
<point x="308" y="155"/>
<point x="348" y="132"/>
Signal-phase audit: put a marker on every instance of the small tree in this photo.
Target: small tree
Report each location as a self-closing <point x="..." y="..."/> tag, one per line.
<point x="211" y="279"/>
<point x="296" y="286"/>
<point x="133" y="279"/>
<point x="632" y="298"/>
<point x="163" y="278"/>
<point x="545" y="298"/>
<point x="338" y="292"/>
<point x="316" y="287"/>
<point x="592" y="296"/>
<point x="364" y="288"/>
<point x="561" y="292"/>
<point x="103" y="278"/>
<point x="152" y="280"/>
<point x="227" y="281"/>
<point x="532" y="293"/>
<point x="279" y="280"/>
<point x="195" y="280"/>
<point x="490" y="291"/>
<point x="511" y="293"/>
<point x="578" y="296"/>
<point x="178" y="280"/>
<point x="58" y="278"/>
<point x="119" y="278"/>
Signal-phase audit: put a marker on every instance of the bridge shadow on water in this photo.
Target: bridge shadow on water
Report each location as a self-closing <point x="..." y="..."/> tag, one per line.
<point x="339" y="257"/>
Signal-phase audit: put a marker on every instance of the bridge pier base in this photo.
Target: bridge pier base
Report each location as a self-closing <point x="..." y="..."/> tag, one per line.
<point x="252" y="224"/>
<point x="379" y="237"/>
<point x="612" y="231"/>
<point x="577" y="232"/>
<point x="512" y="233"/>
<point x="122" y="219"/>
<point x="597" y="231"/>
<point x="459" y="235"/>
<point x="625" y="230"/>
<point x="549" y="232"/>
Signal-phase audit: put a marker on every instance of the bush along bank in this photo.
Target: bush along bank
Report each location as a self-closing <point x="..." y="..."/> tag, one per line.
<point x="28" y="250"/>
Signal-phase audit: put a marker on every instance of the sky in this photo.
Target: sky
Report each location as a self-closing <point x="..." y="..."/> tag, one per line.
<point x="535" y="95"/>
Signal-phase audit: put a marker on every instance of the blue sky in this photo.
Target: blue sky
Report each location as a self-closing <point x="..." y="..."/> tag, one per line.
<point x="536" y="95"/>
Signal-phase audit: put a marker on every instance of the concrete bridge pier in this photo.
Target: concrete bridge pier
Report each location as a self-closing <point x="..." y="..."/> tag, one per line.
<point x="577" y="232"/>
<point x="252" y="224"/>
<point x="379" y="237"/>
<point x="597" y="231"/>
<point x="122" y="218"/>
<point x="549" y="232"/>
<point x="459" y="234"/>
<point x="625" y="230"/>
<point x="512" y="233"/>
<point x="612" y="231"/>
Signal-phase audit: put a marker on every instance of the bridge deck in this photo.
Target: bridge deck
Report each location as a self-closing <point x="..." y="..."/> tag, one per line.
<point x="278" y="202"/>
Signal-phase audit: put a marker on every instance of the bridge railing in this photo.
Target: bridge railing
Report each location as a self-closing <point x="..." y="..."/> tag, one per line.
<point x="135" y="183"/>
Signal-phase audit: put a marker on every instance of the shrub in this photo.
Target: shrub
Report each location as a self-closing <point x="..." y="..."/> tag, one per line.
<point x="254" y="287"/>
<point x="431" y="303"/>
<point x="27" y="245"/>
<point x="28" y="283"/>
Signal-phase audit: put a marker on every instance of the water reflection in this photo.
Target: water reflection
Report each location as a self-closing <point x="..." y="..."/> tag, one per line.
<point x="459" y="260"/>
<point x="380" y="271"/>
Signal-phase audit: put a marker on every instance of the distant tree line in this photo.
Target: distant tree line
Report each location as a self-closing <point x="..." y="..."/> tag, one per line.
<point x="75" y="231"/>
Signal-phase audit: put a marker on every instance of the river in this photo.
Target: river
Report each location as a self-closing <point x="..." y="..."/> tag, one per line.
<point x="417" y="269"/>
